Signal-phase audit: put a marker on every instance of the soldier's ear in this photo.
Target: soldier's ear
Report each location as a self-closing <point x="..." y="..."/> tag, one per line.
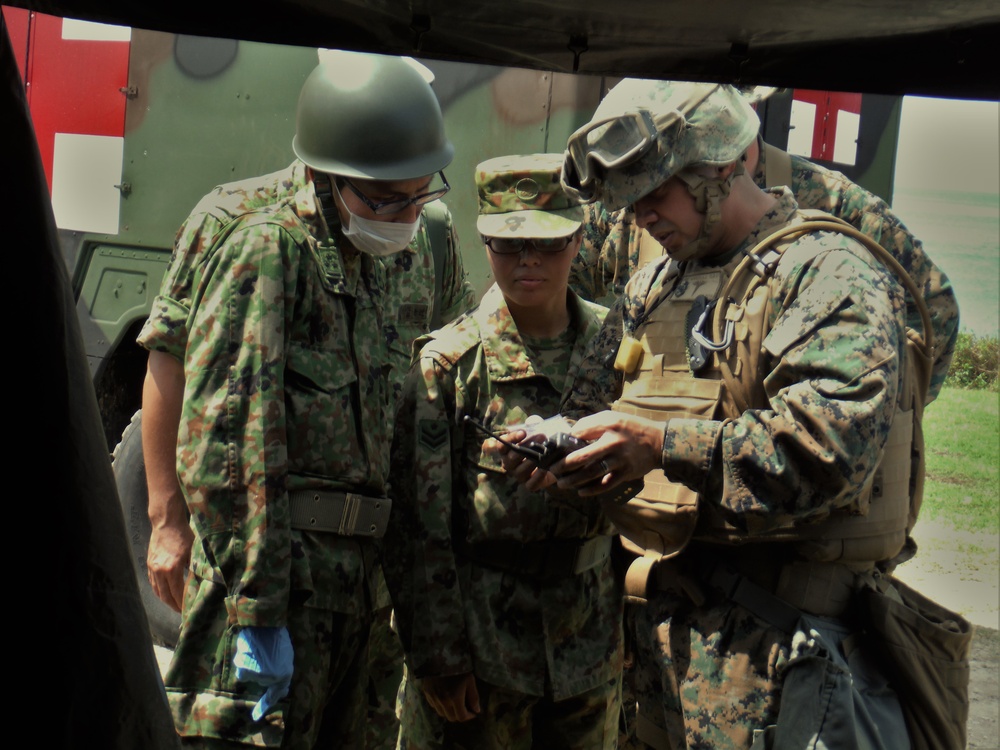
<point x="726" y="170"/>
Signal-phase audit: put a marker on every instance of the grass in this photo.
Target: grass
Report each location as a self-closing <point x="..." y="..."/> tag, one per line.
<point x="962" y="436"/>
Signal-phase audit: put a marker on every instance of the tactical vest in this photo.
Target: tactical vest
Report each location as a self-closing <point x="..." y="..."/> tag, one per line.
<point x="659" y="384"/>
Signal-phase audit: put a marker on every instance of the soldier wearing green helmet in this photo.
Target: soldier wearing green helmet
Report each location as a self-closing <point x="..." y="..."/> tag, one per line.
<point x="281" y="327"/>
<point x="755" y="376"/>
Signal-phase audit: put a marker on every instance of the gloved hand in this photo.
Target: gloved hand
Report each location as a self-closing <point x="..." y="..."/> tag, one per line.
<point x="264" y="655"/>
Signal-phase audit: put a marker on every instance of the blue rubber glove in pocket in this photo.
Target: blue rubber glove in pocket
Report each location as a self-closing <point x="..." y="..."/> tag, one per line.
<point x="265" y="656"/>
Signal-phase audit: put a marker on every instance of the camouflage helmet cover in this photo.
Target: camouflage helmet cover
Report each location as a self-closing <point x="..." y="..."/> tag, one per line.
<point x="696" y="124"/>
<point x="370" y="116"/>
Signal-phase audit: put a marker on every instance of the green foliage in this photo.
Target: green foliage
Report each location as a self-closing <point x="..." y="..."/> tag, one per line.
<point x="962" y="438"/>
<point x="976" y="364"/>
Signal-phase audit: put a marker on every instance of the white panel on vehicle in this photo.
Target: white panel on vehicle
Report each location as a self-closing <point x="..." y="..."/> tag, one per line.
<point x="803" y="125"/>
<point x="845" y="148"/>
<point x="94" y="32"/>
<point x="85" y="170"/>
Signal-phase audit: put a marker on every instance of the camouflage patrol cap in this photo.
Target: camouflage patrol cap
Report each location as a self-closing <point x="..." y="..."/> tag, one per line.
<point x="520" y="196"/>
<point x="689" y="125"/>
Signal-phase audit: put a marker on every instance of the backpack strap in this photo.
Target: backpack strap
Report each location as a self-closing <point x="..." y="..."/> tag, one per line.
<point x="776" y="243"/>
<point x="438" y="233"/>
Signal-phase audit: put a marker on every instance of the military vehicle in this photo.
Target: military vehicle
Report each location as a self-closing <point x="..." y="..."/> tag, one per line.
<point x="136" y="125"/>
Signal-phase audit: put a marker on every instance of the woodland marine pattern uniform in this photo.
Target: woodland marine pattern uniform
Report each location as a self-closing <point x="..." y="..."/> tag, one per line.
<point x="537" y="636"/>
<point x="805" y="450"/>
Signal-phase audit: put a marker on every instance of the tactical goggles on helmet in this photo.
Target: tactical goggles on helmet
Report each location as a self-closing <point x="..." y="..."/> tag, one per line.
<point x="603" y="145"/>
<point x="515" y="246"/>
<point x="383" y="208"/>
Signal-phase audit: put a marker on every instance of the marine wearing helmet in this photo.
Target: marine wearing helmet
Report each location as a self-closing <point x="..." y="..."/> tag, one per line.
<point x="751" y="377"/>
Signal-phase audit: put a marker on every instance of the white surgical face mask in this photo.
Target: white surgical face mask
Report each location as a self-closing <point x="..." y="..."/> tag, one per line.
<point x="377" y="237"/>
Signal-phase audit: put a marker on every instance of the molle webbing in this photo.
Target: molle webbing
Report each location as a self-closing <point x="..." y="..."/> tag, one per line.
<point x="658" y="385"/>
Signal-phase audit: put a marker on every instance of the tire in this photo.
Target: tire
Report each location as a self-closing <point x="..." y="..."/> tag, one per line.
<point x="130" y="476"/>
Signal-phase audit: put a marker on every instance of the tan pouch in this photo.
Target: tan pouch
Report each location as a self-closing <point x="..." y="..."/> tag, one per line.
<point x="925" y="648"/>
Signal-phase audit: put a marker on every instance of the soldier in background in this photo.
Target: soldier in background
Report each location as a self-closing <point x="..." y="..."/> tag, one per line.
<point x="506" y="602"/>
<point x="319" y="231"/>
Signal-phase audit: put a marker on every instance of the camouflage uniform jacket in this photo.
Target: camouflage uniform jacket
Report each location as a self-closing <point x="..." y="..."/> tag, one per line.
<point x="408" y="299"/>
<point x="609" y="253"/>
<point x="285" y="389"/>
<point x="829" y="374"/>
<point x="456" y="616"/>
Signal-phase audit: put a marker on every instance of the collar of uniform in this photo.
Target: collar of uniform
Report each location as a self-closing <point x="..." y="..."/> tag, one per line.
<point x="506" y="355"/>
<point x="782" y="213"/>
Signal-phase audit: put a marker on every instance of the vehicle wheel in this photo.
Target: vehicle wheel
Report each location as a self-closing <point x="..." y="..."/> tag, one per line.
<point x="130" y="476"/>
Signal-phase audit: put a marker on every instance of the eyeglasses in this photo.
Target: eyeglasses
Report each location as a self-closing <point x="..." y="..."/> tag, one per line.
<point x="505" y="246"/>
<point x="383" y="208"/>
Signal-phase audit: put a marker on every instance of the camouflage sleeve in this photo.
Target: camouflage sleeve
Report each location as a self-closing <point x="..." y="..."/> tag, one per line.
<point x="601" y="267"/>
<point x="831" y="389"/>
<point x="826" y="190"/>
<point x="166" y="328"/>
<point x="233" y="458"/>
<point x="420" y="566"/>
<point x="457" y="294"/>
<point x="942" y="304"/>
<point x="597" y="383"/>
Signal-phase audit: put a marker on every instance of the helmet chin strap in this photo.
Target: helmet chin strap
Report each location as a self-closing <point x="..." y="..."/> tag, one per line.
<point x="324" y="192"/>
<point x="708" y="194"/>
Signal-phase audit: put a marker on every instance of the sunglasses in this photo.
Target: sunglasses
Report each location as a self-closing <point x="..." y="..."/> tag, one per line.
<point x="507" y="246"/>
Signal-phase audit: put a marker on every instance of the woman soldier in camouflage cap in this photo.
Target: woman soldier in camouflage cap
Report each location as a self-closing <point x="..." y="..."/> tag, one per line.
<point x="524" y="643"/>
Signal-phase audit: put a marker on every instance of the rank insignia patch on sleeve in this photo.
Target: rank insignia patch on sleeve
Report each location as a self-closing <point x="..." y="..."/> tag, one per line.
<point x="432" y="435"/>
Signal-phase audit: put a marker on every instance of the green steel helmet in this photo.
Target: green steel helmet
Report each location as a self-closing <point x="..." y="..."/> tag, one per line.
<point x="371" y="117"/>
<point x="644" y="132"/>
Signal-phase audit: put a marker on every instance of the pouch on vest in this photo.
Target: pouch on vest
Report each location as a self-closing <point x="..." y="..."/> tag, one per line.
<point x="660" y="520"/>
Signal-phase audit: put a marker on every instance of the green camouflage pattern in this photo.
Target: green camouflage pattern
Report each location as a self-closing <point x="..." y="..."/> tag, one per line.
<point x="407" y="300"/>
<point x="407" y="297"/>
<point x="830" y="379"/>
<point x="520" y="196"/>
<point x="327" y="703"/>
<point x="285" y="389"/>
<point x="558" y="638"/>
<point x="697" y="124"/>
<point x="609" y="253"/>
<point x="513" y="721"/>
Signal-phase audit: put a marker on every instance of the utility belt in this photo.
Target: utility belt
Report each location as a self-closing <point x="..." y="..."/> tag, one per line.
<point x="551" y="560"/>
<point x="774" y="585"/>
<point x="337" y="512"/>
